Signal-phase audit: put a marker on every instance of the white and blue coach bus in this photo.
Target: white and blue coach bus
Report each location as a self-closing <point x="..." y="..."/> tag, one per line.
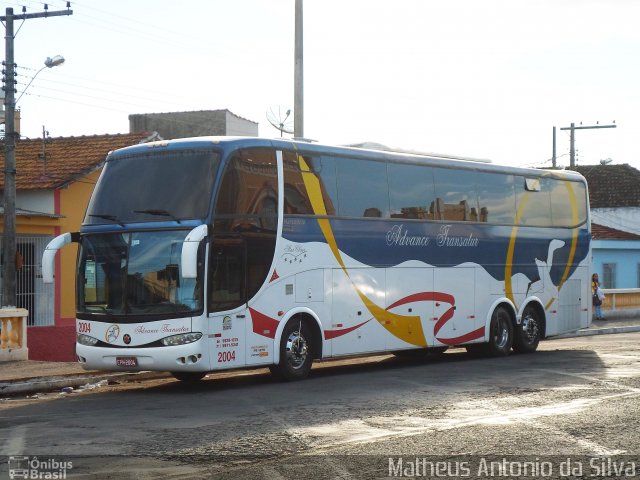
<point x="212" y="253"/>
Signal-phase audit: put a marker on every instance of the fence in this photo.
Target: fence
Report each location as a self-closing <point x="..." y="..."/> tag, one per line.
<point x="31" y="292"/>
<point x="621" y="299"/>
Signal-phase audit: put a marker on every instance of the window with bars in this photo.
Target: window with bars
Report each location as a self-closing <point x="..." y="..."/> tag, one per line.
<point x="31" y="292"/>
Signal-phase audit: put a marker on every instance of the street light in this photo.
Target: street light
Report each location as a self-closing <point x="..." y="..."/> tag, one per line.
<point x="9" y="297"/>
<point x="48" y="63"/>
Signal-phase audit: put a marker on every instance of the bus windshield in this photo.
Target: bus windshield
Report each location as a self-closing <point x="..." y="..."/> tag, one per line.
<point x="153" y="186"/>
<point x="136" y="273"/>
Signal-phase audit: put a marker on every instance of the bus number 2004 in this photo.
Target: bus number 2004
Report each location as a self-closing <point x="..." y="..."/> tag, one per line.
<point x="226" y="356"/>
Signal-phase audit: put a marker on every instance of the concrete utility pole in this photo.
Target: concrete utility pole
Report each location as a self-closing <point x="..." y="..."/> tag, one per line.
<point x="553" y="155"/>
<point x="298" y="81"/>
<point x="572" y="139"/>
<point x="9" y="296"/>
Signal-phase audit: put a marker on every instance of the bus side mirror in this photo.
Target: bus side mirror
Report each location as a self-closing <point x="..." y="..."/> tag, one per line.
<point x="49" y="254"/>
<point x="189" y="259"/>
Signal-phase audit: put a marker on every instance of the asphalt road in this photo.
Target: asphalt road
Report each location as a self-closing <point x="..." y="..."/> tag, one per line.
<point x="574" y="405"/>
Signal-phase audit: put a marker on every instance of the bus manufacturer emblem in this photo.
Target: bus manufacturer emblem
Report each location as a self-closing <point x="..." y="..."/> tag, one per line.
<point x="113" y="332"/>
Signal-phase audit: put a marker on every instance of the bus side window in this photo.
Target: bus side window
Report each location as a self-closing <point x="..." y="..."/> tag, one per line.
<point x="362" y="188"/>
<point x="567" y="203"/>
<point x="496" y="196"/>
<point x="296" y="196"/>
<point x="456" y="194"/>
<point x="534" y="202"/>
<point x="411" y="192"/>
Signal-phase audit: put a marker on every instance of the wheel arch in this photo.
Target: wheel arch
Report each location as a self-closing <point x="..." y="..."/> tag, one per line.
<point x="308" y="316"/>
<point x="500" y="302"/>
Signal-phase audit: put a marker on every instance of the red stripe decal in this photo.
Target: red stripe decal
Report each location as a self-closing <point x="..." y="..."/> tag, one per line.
<point x="424" y="297"/>
<point x="331" y="334"/>
<point x="262" y="324"/>
<point x="463" y="338"/>
<point x="446" y="316"/>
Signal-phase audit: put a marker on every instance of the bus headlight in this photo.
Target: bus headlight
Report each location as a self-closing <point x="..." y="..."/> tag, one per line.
<point x="181" y="339"/>
<point x="86" y="340"/>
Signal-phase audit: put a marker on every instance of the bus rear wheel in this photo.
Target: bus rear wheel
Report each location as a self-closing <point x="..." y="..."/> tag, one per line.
<point x="500" y="333"/>
<point x="296" y="356"/>
<point x="528" y="333"/>
<point x="189" y="377"/>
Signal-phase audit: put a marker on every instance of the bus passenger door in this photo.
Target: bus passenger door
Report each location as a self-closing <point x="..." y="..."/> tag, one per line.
<point x="227" y="302"/>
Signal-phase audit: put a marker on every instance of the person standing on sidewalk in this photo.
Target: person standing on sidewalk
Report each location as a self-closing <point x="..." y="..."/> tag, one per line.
<point x="597" y="296"/>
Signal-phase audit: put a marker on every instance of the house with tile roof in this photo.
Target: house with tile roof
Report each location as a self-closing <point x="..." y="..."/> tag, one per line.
<point x="54" y="180"/>
<point x="614" y="197"/>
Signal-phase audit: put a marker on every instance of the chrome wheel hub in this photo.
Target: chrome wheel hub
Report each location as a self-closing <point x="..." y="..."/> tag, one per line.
<point x="530" y="328"/>
<point x="296" y="350"/>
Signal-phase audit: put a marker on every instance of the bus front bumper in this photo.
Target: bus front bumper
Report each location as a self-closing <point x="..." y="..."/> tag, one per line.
<point x="180" y="358"/>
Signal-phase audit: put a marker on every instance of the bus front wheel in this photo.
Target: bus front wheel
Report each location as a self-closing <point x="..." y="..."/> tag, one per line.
<point x="295" y="352"/>
<point x="528" y="333"/>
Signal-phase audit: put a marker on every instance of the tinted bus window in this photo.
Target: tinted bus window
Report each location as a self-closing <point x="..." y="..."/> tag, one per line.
<point x="411" y="192"/>
<point x="154" y="186"/>
<point x="456" y="197"/>
<point x="296" y="198"/>
<point x="296" y="195"/>
<point x="248" y="195"/>
<point x="568" y="203"/>
<point x="534" y="201"/>
<point x="497" y="198"/>
<point x="362" y="188"/>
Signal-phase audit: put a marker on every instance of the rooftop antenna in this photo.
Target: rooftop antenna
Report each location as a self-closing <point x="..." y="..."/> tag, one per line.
<point x="281" y="119"/>
<point x="43" y="156"/>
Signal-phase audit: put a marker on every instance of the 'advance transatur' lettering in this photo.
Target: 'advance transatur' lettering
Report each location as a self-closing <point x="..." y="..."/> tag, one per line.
<point x="399" y="236"/>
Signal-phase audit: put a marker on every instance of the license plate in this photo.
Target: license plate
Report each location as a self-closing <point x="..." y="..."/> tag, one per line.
<point x="126" y="361"/>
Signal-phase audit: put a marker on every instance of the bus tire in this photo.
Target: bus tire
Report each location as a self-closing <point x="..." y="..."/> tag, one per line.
<point x="527" y="334"/>
<point x="500" y="333"/>
<point x="189" y="377"/>
<point x="296" y="356"/>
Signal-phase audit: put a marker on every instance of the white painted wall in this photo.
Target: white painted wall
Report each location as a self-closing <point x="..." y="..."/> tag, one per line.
<point x="36" y="200"/>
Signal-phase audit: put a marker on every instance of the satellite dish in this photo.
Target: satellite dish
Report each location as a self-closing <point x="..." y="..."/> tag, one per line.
<point x="281" y="119"/>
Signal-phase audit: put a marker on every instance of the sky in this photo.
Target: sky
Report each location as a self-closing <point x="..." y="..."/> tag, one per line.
<point x="480" y="78"/>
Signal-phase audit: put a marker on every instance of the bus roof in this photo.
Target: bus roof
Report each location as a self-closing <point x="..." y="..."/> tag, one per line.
<point x="228" y="144"/>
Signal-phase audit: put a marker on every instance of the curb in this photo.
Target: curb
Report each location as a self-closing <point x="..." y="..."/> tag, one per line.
<point x="42" y="385"/>
<point x="599" y="331"/>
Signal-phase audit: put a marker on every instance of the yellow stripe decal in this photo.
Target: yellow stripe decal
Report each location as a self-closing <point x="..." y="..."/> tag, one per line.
<point x="574" y="237"/>
<point x="508" y="267"/>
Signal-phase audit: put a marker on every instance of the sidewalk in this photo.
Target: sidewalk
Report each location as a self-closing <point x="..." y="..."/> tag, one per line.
<point x="30" y="376"/>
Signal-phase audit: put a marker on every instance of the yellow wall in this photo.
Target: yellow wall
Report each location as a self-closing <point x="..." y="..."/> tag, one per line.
<point x="73" y="204"/>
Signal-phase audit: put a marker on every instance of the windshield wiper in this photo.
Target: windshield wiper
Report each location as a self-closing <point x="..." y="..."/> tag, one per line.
<point x="107" y="216"/>
<point x="161" y="213"/>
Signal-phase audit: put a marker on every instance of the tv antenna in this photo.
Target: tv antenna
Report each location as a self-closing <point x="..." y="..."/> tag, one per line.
<point x="281" y="119"/>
